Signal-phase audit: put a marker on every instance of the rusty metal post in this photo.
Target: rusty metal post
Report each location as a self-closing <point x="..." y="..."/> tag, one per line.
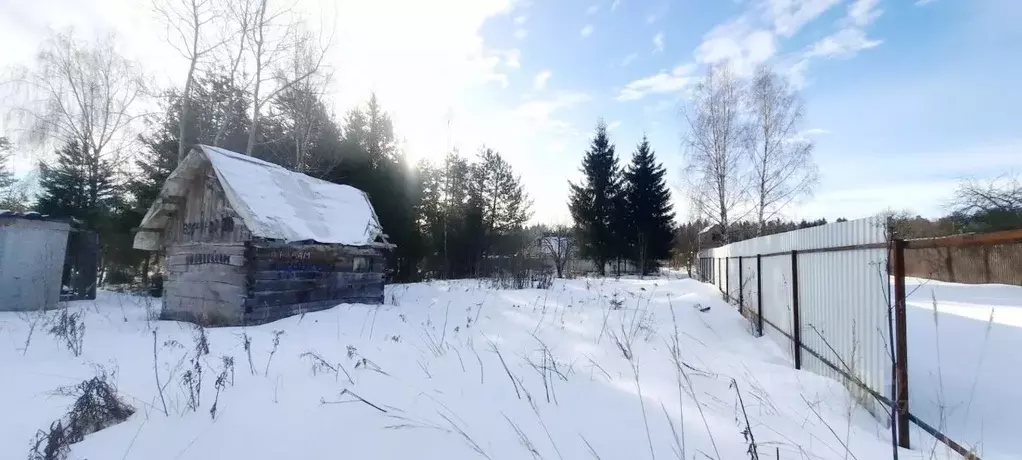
<point x="759" y="294"/>
<point x="796" y="327"/>
<point x="741" y="289"/>
<point x="949" y="266"/>
<point x="900" y="343"/>
<point x="986" y="263"/>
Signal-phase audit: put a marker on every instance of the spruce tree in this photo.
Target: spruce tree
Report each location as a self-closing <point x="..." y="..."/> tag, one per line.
<point x="371" y="161"/>
<point x="12" y="196"/>
<point x="6" y="177"/>
<point x="505" y="203"/>
<point x="648" y="208"/>
<point x="594" y="201"/>
<point x="77" y="185"/>
<point x="157" y="159"/>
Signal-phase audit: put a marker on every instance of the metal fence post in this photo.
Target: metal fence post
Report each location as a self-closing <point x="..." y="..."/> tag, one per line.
<point x="759" y="294"/>
<point x="719" y="282"/>
<point x="900" y="343"/>
<point x="796" y="327"/>
<point x="741" y="289"/>
<point x="727" y="279"/>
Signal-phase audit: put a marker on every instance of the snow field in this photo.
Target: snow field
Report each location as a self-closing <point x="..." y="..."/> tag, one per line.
<point x="965" y="364"/>
<point x="449" y="370"/>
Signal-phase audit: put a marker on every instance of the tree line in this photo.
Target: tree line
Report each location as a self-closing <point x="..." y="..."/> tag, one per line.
<point x="262" y="92"/>
<point x="256" y="83"/>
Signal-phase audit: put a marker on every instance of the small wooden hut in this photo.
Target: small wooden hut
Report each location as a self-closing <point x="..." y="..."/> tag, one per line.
<point x="247" y="241"/>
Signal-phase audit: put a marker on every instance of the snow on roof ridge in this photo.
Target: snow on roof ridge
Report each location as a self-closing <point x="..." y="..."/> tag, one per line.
<point x="240" y="156"/>
<point x="277" y="203"/>
<point x="273" y="201"/>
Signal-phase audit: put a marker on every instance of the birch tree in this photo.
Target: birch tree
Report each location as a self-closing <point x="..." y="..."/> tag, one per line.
<point x="302" y="108"/>
<point x="716" y="170"/>
<point x="240" y="15"/>
<point x="558" y="244"/>
<point x="783" y="170"/>
<point x="78" y="91"/>
<point x="271" y="44"/>
<point x="188" y="24"/>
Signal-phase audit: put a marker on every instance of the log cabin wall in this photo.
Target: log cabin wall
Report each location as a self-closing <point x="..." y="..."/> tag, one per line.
<point x="286" y="279"/>
<point x="206" y="216"/>
<point x="205" y="283"/>
<point x="205" y="257"/>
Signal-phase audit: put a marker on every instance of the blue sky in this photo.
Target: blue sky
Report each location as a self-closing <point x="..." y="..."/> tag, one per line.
<point x="903" y="97"/>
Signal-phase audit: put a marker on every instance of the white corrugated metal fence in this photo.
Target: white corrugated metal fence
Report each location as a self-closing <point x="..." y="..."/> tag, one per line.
<point x="842" y="305"/>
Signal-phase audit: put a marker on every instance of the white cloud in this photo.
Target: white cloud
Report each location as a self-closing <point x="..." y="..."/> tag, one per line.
<point x="789" y="16"/>
<point x="738" y="43"/>
<point x="539" y="82"/>
<point x="844" y="43"/>
<point x="587" y="30"/>
<point x="613" y="125"/>
<point x="593" y="9"/>
<point x="613" y="6"/>
<point x="520" y="19"/>
<point x="924" y="2"/>
<point x="815" y="132"/>
<point x="628" y="59"/>
<point x="512" y="58"/>
<point x="863" y="12"/>
<point x="796" y="73"/>
<point x="540" y="112"/>
<point x="520" y="34"/>
<point x="658" y="42"/>
<point x="663" y="82"/>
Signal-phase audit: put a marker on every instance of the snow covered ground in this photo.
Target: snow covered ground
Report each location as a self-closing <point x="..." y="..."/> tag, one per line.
<point x="449" y="370"/>
<point x="965" y="363"/>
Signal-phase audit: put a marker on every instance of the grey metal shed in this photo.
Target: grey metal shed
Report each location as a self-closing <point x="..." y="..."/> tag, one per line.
<point x="31" y="261"/>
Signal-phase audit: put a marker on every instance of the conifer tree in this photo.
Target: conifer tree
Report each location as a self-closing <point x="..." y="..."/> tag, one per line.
<point x="594" y="201"/>
<point x="648" y="209"/>
<point x="77" y="185"/>
<point x="6" y="177"/>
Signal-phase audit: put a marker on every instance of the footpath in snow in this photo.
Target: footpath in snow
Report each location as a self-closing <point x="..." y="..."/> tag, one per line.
<point x="965" y="364"/>
<point x="591" y="368"/>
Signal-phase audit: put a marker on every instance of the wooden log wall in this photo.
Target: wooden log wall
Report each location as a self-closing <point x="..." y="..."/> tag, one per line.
<point x="206" y="215"/>
<point x="206" y="283"/>
<point x="288" y="279"/>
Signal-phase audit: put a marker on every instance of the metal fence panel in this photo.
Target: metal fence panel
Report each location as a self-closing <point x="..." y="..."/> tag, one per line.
<point x="777" y="300"/>
<point x="842" y="299"/>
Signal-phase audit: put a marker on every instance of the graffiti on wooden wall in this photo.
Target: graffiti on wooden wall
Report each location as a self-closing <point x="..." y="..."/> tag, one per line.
<point x="224" y="225"/>
<point x="291" y="254"/>
<point x="301" y="260"/>
<point x="198" y="259"/>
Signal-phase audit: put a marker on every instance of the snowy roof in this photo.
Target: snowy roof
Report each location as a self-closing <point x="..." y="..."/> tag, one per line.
<point x="32" y="215"/>
<point x="274" y="202"/>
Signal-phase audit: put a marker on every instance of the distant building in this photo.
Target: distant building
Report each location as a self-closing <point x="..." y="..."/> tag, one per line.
<point x="249" y="241"/>
<point x="549" y="248"/>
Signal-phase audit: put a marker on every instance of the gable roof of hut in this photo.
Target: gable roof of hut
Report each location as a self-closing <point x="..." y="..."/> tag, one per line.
<point x="274" y="202"/>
